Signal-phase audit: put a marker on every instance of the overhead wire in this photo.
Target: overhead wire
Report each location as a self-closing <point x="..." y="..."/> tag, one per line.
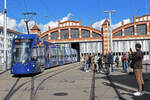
<point x="142" y="9"/>
<point x="47" y="9"/>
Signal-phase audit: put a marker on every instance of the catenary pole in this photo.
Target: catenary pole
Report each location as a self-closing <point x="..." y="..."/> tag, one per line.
<point x="5" y="36"/>
<point x="107" y="38"/>
<point x="111" y="42"/>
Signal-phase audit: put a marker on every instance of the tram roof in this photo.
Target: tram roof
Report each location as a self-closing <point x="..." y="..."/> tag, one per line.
<point x="26" y="36"/>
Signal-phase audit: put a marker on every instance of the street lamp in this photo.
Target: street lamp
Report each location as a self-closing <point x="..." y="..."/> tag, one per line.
<point x="112" y="11"/>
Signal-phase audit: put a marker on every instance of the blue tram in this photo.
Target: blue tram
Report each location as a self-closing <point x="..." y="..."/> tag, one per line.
<point x="30" y="54"/>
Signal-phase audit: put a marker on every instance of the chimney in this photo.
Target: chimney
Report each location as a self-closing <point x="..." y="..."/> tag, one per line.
<point x="134" y="18"/>
<point x="49" y="28"/>
<point x="79" y="21"/>
<point x="122" y="23"/>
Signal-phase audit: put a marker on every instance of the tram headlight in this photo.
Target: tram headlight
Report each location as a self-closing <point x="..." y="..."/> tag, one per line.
<point x="23" y="61"/>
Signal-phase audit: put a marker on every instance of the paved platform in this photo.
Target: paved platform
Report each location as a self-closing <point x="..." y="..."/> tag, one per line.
<point x="68" y="82"/>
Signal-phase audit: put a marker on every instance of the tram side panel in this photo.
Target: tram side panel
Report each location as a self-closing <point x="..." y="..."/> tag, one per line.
<point x="53" y="56"/>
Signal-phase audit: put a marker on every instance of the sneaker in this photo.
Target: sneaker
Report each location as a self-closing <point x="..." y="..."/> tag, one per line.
<point x="87" y="71"/>
<point x="138" y="93"/>
<point x="142" y="92"/>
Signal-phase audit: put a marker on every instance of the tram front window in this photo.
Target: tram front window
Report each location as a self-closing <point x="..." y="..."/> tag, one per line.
<point x="21" y="50"/>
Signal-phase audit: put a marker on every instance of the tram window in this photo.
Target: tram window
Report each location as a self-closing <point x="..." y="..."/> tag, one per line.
<point x="34" y="54"/>
<point x="144" y="53"/>
<point x="147" y="53"/>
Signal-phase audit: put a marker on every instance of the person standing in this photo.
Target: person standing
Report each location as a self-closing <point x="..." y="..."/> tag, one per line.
<point x="96" y="62"/>
<point x="92" y="62"/>
<point x="111" y="61"/>
<point x="106" y="62"/>
<point x="117" y="61"/>
<point x="100" y="62"/>
<point x="125" y="62"/>
<point x="88" y="62"/>
<point x="137" y="58"/>
<point x="122" y="60"/>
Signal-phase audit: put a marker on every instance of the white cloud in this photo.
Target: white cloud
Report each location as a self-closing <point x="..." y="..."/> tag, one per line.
<point x="66" y="18"/>
<point x="22" y="26"/>
<point x="53" y="24"/>
<point x="126" y="21"/>
<point x="98" y="24"/>
<point x="11" y="23"/>
<point x="116" y="25"/>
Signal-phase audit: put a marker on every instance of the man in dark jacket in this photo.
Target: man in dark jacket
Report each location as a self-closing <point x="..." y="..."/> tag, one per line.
<point x="111" y="61"/>
<point x="137" y="67"/>
<point x="117" y="61"/>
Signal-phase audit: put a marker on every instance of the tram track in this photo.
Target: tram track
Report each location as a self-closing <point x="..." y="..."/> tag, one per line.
<point x="45" y="79"/>
<point x="4" y="71"/>
<point x="15" y="88"/>
<point x="92" y="92"/>
<point x="10" y="93"/>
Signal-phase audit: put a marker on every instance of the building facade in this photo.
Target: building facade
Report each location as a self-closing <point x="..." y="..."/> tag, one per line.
<point x="88" y="40"/>
<point x="10" y="34"/>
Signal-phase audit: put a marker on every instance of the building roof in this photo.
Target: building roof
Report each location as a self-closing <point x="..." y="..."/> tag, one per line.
<point x="35" y="27"/>
<point x="10" y="30"/>
<point x="105" y="22"/>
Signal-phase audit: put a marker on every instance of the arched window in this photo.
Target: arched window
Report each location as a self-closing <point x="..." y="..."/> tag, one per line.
<point x="45" y="37"/>
<point x="96" y="34"/>
<point x="85" y="33"/>
<point x="119" y="33"/>
<point x="54" y="35"/>
<point x="141" y="29"/>
<point x="74" y="33"/>
<point x="129" y="31"/>
<point x="64" y="34"/>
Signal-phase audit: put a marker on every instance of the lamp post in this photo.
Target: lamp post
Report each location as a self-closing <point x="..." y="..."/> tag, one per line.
<point x="111" y="43"/>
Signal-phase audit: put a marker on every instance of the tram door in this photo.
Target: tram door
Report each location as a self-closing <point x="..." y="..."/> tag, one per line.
<point x="60" y="55"/>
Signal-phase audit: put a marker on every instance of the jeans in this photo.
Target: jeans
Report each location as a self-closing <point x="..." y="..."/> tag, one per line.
<point x="112" y="67"/>
<point x="125" y="66"/>
<point x="87" y="66"/>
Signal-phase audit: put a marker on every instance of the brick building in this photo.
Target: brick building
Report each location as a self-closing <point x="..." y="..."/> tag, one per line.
<point x="88" y="40"/>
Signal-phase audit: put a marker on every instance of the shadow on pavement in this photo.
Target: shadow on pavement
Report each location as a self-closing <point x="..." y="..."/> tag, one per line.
<point x="128" y="81"/>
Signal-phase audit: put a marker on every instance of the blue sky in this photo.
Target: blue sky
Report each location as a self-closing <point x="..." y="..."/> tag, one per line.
<point x="90" y="11"/>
